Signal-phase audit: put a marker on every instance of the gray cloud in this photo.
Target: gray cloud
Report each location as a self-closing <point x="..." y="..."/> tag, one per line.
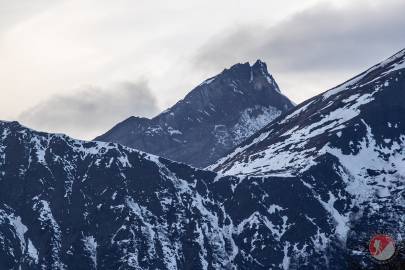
<point x="92" y="110"/>
<point x="324" y="39"/>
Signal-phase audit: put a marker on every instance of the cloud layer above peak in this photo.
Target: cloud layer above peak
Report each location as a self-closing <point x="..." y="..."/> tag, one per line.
<point x="322" y="41"/>
<point x="49" y="49"/>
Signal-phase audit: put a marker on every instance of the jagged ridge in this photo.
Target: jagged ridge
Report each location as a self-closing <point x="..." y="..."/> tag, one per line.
<point x="353" y="134"/>
<point x="212" y="119"/>
<point x="69" y="204"/>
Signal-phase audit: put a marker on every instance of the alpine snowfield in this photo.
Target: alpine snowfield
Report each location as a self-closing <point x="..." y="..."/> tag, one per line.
<point x="350" y="142"/>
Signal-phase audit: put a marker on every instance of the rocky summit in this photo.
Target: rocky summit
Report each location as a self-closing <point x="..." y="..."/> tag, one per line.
<point x="211" y="120"/>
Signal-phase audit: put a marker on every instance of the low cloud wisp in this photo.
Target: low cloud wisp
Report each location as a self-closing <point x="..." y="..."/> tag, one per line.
<point x="91" y="111"/>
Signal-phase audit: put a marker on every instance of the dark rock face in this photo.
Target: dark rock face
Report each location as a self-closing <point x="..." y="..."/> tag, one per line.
<point x="69" y="204"/>
<point x="211" y="120"/>
<point x="348" y="146"/>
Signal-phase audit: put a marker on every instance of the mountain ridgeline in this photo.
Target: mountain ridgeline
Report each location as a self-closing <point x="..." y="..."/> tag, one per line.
<point x="69" y="204"/>
<point x="348" y="146"/>
<point x="307" y="191"/>
<point x="211" y="120"/>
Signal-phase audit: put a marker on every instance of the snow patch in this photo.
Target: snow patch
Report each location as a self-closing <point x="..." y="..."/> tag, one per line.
<point x="90" y="245"/>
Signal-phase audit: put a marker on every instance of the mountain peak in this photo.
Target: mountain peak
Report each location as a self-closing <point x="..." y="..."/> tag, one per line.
<point x="261" y="66"/>
<point x="211" y="119"/>
<point x="256" y="74"/>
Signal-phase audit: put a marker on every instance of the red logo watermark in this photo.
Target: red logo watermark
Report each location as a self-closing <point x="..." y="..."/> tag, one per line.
<point x="382" y="247"/>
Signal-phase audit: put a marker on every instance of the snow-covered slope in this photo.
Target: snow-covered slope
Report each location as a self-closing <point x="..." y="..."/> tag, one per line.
<point x="328" y="122"/>
<point x="212" y="119"/>
<point x="348" y="146"/>
<point x="69" y="204"/>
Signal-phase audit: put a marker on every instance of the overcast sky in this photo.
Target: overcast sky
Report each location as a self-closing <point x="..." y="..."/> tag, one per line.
<point x="80" y="66"/>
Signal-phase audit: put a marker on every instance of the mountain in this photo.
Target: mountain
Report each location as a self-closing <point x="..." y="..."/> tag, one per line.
<point x="211" y="120"/>
<point x="69" y="204"/>
<point x="306" y="192"/>
<point x="348" y="146"/>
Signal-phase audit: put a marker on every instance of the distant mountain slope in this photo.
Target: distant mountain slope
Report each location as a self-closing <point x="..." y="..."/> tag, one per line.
<point x="211" y="120"/>
<point x="348" y="146"/>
